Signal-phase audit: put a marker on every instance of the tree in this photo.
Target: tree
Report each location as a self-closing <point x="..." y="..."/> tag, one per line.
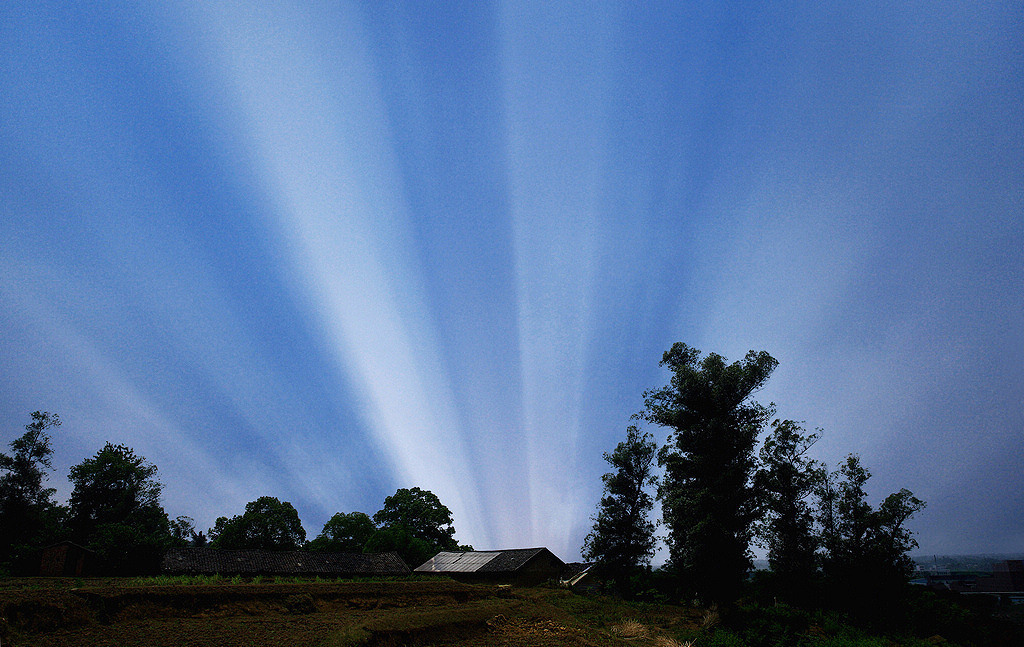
<point x="866" y="563"/>
<point x="707" y="500"/>
<point x="183" y="530"/>
<point x="344" y="533"/>
<point x="891" y="541"/>
<point x="413" y="550"/>
<point x="116" y="511"/>
<point x="622" y="539"/>
<point x="785" y="480"/>
<point x="852" y="518"/>
<point x="413" y="522"/>
<point x="28" y="516"/>
<point x="267" y="523"/>
<point x="862" y="542"/>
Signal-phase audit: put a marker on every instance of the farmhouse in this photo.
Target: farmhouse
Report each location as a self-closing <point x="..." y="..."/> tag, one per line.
<point x="210" y="561"/>
<point x="68" y="559"/>
<point x="522" y="566"/>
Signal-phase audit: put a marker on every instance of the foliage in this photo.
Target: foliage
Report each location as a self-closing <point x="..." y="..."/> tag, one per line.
<point x="708" y="503"/>
<point x="414" y="523"/>
<point x="866" y="559"/>
<point x="183" y="530"/>
<point x="622" y="539"/>
<point x="116" y="511"/>
<point x="399" y="539"/>
<point x="344" y="533"/>
<point x="267" y="523"/>
<point x="858" y="537"/>
<point x="28" y="516"/>
<point x="785" y="480"/>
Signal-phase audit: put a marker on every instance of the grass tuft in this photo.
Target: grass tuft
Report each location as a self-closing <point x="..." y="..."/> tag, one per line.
<point x="630" y="629"/>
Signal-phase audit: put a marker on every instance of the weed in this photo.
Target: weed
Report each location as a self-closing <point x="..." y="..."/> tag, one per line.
<point x="663" y="641"/>
<point x="630" y="629"/>
<point x="710" y="618"/>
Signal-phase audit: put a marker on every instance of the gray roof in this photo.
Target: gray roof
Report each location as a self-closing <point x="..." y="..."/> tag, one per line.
<point x="194" y="561"/>
<point x="481" y="561"/>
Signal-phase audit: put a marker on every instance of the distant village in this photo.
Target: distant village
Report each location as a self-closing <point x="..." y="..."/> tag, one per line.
<point x="520" y="566"/>
<point x="1000" y="576"/>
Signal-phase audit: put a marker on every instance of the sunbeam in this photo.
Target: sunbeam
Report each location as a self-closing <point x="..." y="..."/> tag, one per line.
<point x="324" y="250"/>
<point x="555" y="131"/>
<point x="310" y="111"/>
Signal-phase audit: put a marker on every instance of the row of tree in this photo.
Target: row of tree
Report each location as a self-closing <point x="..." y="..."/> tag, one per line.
<point x="115" y="511"/>
<point x="413" y="522"/>
<point x="718" y="494"/>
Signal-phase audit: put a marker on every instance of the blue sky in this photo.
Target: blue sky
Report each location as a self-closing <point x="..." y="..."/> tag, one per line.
<point x="321" y="251"/>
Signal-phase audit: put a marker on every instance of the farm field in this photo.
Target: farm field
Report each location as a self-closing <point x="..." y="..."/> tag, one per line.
<point x="61" y="612"/>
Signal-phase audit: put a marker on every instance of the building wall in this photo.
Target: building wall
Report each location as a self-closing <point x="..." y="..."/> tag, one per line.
<point x="540" y="569"/>
<point x="64" y="560"/>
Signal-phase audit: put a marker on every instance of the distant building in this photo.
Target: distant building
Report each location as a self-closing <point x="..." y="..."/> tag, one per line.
<point x="66" y="559"/>
<point x="1007" y="576"/>
<point x="521" y="566"/>
<point x="211" y="561"/>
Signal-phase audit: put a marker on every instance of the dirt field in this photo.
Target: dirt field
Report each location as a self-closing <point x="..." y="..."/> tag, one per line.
<point x="57" y="612"/>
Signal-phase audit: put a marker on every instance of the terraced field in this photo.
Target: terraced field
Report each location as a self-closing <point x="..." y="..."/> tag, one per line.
<point x="110" y="612"/>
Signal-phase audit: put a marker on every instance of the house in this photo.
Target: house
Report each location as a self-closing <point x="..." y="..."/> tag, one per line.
<point x="210" y="561"/>
<point x="66" y="559"/>
<point x="521" y="566"/>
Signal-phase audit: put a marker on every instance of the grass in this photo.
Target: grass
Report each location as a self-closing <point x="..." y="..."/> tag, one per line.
<point x="631" y="629"/>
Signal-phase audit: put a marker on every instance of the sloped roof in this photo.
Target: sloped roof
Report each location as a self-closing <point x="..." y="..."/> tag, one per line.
<point x="482" y="561"/>
<point x="256" y="562"/>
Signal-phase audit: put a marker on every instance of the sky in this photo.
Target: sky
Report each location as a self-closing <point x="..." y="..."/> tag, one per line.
<point x="325" y="250"/>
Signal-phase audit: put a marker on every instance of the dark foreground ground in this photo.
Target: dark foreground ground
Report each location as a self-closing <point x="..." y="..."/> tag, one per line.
<point x="69" y="613"/>
<point x="46" y="612"/>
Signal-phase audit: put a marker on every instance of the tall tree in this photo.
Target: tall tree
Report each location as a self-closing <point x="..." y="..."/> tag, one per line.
<point x="892" y="540"/>
<point x="622" y="539"/>
<point x="785" y="481"/>
<point x="864" y="545"/>
<point x="27" y="512"/>
<point x="267" y="523"/>
<point x="116" y="511"/>
<point x="344" y="533"/>
<point x="414" y="523"/>
<point x="707" y="499"/>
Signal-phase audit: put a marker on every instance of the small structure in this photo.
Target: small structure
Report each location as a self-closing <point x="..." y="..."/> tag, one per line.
<point x="66" y="559"/>
<point x="579" y="577"/>
<point x="521" y="566"/>
<point x="212" y="561"/>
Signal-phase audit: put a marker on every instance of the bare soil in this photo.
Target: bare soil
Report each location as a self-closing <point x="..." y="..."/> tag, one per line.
<point x="57" y="612"/>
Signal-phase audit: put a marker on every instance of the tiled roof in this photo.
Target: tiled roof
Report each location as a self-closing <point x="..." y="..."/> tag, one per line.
<point x="483" y="561"/>
<point x="266" y="562"/>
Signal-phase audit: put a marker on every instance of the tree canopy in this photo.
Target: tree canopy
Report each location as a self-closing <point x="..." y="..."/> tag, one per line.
<point x="708" y="502"/>
<point x="28" y="516"/>
<point x="622" y="539"/>
<point x="116" y="511"/>
<point x="267" y="523"/>
<point x="344" y="533"/>
<point x="414" y="523"/>
<point x="863" y="542"/>
<point x="785" y="482"/>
